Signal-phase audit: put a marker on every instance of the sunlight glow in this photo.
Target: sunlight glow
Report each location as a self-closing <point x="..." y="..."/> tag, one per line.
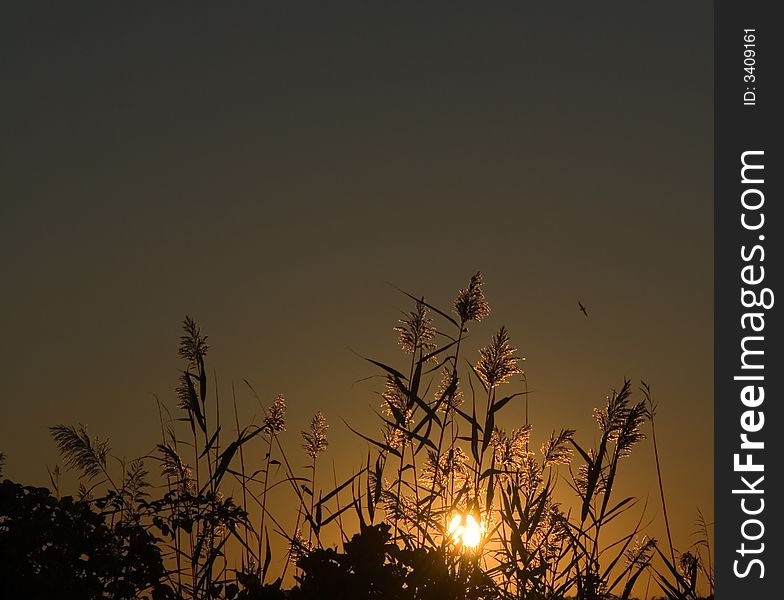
<point x="465" y="530"/>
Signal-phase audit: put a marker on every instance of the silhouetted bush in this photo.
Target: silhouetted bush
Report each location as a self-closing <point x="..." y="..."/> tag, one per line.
<point x="373" y="567"/>
<point x="60" y="548"/>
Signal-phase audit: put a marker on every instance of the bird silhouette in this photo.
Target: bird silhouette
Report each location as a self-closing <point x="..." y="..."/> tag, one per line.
<point x="582" y="308"/>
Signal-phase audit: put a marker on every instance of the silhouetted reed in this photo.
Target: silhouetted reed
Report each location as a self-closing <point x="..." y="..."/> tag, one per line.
<point x="443" y="485"/>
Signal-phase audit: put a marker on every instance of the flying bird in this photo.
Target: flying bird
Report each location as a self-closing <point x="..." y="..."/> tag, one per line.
<point x="582" y="308"/>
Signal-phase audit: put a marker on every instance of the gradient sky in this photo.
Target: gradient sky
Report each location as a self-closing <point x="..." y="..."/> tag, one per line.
<point x="268" y="171"/>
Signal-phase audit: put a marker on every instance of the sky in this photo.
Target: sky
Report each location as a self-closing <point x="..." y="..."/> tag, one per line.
<point x="271" y="171"/>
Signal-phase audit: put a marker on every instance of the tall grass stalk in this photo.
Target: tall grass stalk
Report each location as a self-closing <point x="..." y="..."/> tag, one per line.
<point x="448" y="480"/>
<point x="652" y="406"/>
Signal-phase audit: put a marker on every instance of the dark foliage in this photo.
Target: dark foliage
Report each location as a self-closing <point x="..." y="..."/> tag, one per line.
<point x="374" y="568"/>
<point x="61" y="548"/>
<point x="253" y="589"/>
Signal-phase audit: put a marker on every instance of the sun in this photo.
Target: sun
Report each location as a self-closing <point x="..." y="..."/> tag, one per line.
<point x="465" y="530"/>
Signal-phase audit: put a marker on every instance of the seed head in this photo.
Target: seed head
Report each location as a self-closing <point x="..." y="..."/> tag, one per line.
<point x="395" y="404"/>
<point x="509" y="450"/>
<point x="416" y="330"/>
<point x="497" y="361"/>
<point x="451" y="466"/>
<point x="448" y="392"/>
<point x="315" y="440"/>
<point x="689" y="565"/>
<point x="582" y="476"/>
<point x="393" y="437"/>
<point x="556" y="450"/>
<point x="193" y="345"/>
<point x="470" y="304"/>
<point x="641" y="552"/>
<point x="621" y="422"/>
<point x="275" y="417"/>
<point x="299" y="547"/>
